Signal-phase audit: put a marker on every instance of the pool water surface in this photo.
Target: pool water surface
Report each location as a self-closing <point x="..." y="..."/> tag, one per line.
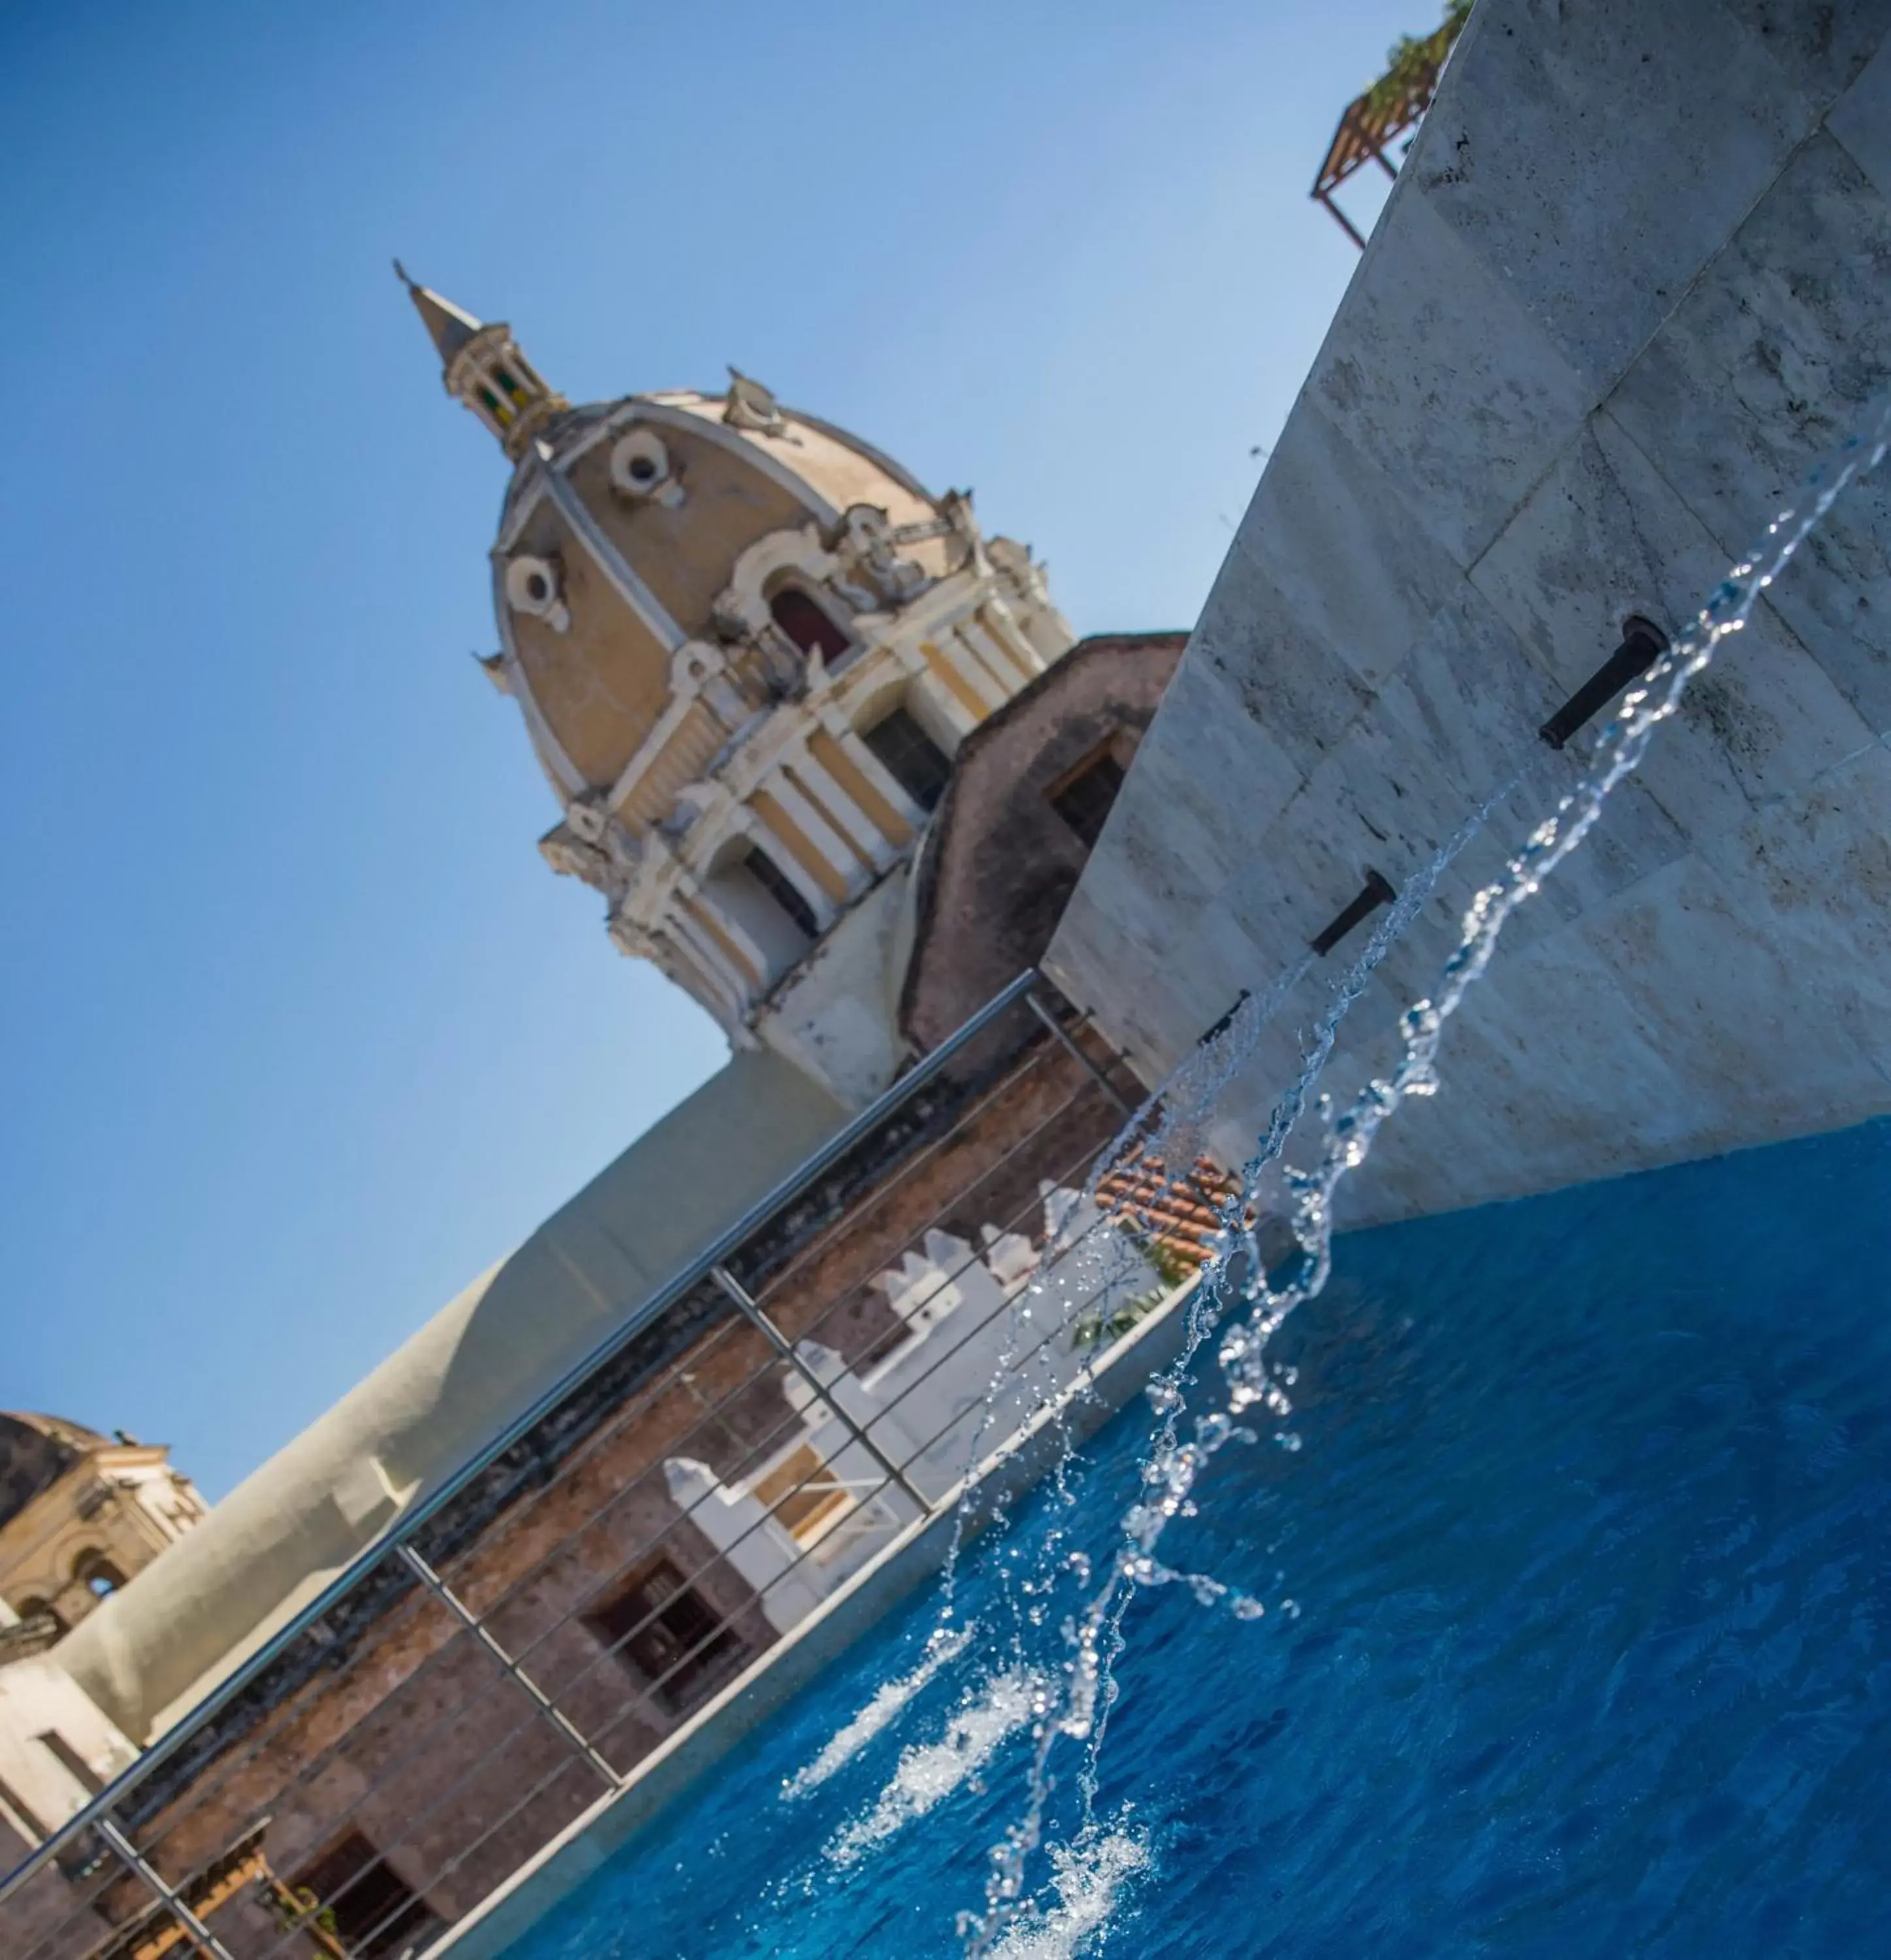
<point x="1589" y="1651"/>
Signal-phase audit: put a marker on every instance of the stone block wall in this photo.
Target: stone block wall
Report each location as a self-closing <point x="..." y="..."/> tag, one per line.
<point x="1634" y="278"/>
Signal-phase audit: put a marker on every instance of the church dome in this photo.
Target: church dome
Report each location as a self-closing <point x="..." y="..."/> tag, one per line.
<point x="35" y="1450"/>
<point x="627" y="560"/>
<point x="745" y="645"/>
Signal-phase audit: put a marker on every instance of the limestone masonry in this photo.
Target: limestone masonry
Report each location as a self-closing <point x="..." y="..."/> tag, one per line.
<point x="1631" y="281"/>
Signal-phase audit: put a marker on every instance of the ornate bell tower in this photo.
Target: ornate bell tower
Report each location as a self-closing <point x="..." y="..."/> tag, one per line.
<point x="746" y="646"/>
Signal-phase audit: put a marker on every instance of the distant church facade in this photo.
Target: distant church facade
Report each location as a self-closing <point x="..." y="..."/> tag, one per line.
<point x="831" y="760"/>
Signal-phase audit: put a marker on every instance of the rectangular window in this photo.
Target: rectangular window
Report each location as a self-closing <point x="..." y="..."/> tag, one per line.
<point x="1082" y="797"/>
<point x="910" y="756"/>
<point x="668" y="1634"/>
<point x="783" y="890"/>
<point x="374" y="1911"/>
<point x="75" y="1766"/>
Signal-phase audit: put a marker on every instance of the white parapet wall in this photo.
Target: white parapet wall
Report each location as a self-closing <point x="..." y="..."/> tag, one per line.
<point x="1111" y="1372"/>
<point x="1631" y="281"/>
<point x="57" y="1749"/>
<point x="992" y="1336"/>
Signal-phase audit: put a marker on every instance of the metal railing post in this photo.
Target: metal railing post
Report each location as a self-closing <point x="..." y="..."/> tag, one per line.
<point x="1084" y="1062"/>
<point x="645" y="1314"/>
<point x="475" y="1626"/>
<point x="200" y="1935"/>
<point x="747" y="1306"/>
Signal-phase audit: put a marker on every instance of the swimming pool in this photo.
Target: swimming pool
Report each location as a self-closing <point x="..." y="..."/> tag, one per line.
<point x="1590" y="1652"/>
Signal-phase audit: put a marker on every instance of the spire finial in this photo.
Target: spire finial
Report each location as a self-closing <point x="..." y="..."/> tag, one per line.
<point x="484" y="367"/>
<point x="450" y="327"/>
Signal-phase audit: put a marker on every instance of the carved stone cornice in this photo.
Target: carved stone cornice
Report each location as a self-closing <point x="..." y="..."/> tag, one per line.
<point x="592" y="845"/>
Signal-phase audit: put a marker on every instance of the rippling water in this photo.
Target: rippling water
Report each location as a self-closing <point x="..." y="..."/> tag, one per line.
<point x="1589" y="1539"/>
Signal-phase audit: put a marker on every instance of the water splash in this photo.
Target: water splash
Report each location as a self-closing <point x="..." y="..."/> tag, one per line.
<point x="879" y="1714"/>
<point x="1089" y="1878"/>
<point x="928" y="1773"/>
<point x="1238" y="1273"/>
<point x="1170" y="1123"/>
<point x="1219" y="1282"/>
<point x="1089" y="1690"/>
<point x="1176" y="1110"/>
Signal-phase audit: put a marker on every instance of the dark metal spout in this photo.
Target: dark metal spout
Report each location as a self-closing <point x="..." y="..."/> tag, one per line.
<point x="1378" y="892"/>
<point x="1643" y="643"/>
<point x="1225" y="1023"/>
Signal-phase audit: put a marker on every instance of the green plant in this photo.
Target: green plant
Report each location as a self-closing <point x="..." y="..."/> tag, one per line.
<point x="1097" y="1329"/>
<point x="299" y="1907"/>
<point x="1412" y="62"/>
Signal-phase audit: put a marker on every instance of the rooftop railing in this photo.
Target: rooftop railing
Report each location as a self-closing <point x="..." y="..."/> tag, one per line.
<point x="814" y="1383"/>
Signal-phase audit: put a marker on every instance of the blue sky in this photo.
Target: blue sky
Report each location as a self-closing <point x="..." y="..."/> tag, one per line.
<point x="300" y="1032"/>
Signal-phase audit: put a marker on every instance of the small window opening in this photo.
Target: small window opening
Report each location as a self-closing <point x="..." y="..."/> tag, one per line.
<point x="1084" y="797"/>
<point x="783" y="890"/>
<point x="99" y="1575"/>
<point x="806" y="623"/>
<point x="661" y="1627"/>
<point x="643" y="469"/>
<point x="75" y="1766"/>
<point x="372" y="1908"/>
<point x="910" y="756"/>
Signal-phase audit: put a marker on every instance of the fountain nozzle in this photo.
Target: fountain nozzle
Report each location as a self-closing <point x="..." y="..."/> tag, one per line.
<point x="1643" y="643"/>
<point x="1377" y="891"/>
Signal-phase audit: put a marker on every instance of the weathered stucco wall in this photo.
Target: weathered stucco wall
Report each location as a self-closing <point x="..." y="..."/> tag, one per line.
<point x="1635" y="275"/>
<point x="1000" y="863"/>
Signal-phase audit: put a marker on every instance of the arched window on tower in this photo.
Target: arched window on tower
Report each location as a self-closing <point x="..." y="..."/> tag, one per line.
<point x="808" y="623"/>
<point x="503" y="394"/>
<point x="97" y="1574"/>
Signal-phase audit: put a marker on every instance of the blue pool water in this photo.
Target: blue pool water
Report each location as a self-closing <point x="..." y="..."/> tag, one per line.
<point x="1590" y="1541"/>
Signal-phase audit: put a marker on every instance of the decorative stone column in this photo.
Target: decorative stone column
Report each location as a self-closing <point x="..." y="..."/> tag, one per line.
<point x="784" y="857"/>
<point x="860" y="831"/>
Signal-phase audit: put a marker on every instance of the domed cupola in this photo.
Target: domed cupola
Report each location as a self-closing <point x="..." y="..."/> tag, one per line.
<point x="746" y="646"/>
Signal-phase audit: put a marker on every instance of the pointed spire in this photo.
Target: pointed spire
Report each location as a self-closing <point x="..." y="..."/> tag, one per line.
<point x="450" y="327"/>
<point x="484" y="368"/>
